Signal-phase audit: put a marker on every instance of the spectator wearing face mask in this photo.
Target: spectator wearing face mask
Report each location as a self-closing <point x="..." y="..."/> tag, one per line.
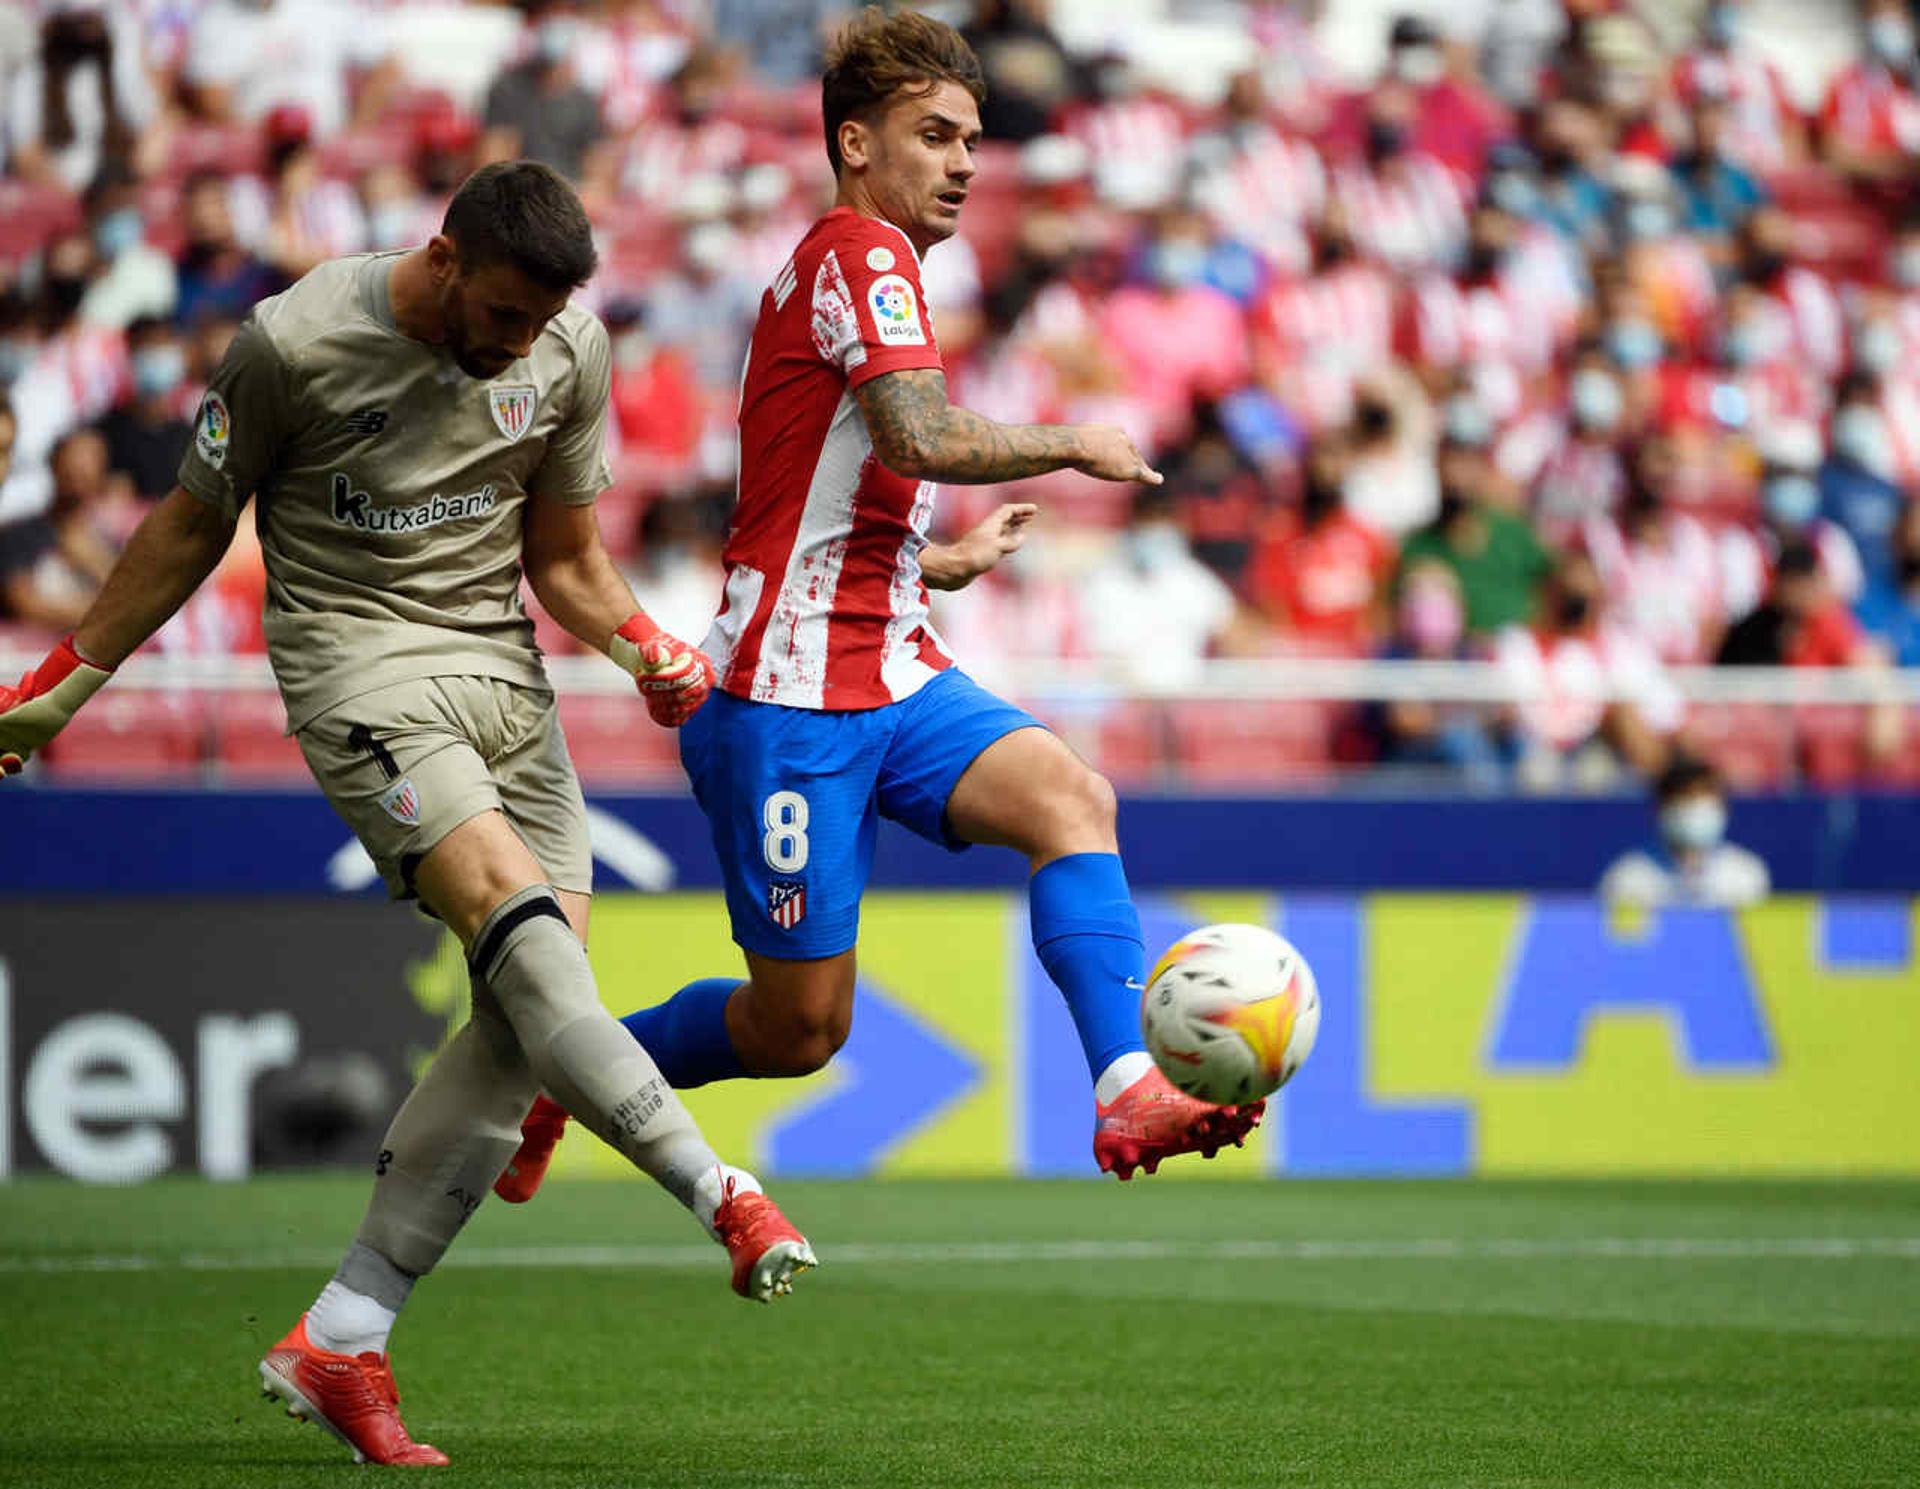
<point x="147" y="432"/>
<point x="1155" y="610"/>
<point x="1870" y="121"/>
<point x="1810" y="327"/>
<point x="1790" y="517"/>
<point x="136" y="279"/>
<point x="1405" y="208"/>
<point x="1491" y="550"/>
<point x="1429" y="625"/>
<point x="219" y="277"/>
<point x="1659" y="565"/>
<point x="1316" y="336"/>
<point x="1322" y="573"/>
<point x="1584" y="477"/>
<point x="705" y="308"/>
<point x="1177" y="336"/>
<point x="1691" y="861"/>
<point x="1858" y="491"/>
<point x="537" y="109"/>
<point x="1764" y="130"/>
<point x="1717" y="193"/>
<point x="1592" y="697"/>
<point x="1453" y="119"/>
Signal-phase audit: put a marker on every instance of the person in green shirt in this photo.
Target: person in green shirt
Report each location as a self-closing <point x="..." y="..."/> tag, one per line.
<point x="1491" y="549"/>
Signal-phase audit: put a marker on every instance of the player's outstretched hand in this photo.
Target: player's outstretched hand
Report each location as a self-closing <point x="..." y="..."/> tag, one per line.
<point x="47" y="698"/>
<point x="674" y="676"/>
<point x="1000" y="536"/>
<point x="1108" y="453"/>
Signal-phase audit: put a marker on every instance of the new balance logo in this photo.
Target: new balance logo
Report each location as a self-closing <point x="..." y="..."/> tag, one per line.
<point x="367" y="421"/>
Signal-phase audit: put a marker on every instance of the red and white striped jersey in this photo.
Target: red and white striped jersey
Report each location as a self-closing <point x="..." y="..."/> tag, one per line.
<point x="824" y="605"/>
<point x="1869" y="108"/>
<point x="1760" y="110"/>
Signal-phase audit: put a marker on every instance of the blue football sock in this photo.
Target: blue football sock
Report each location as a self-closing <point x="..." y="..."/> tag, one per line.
<point x="1088" y="938"/>
<point x="687" y="1035"/>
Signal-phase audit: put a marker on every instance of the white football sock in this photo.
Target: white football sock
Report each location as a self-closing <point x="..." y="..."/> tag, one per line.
<point x="345" y="1322"/>
<point x="711" y="1187"/>
<point x="1122" y="1073"/>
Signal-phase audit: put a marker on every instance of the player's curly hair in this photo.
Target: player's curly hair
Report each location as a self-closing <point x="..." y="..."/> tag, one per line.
<point x="877" y="54"/>
<point x="523" y="213"/>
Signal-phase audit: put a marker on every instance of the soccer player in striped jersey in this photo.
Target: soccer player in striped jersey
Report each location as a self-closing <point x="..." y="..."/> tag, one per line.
<point x="837" y="703"/>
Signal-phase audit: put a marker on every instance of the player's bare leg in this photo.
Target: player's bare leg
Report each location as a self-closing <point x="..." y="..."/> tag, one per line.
<point x="1030" y="792"/>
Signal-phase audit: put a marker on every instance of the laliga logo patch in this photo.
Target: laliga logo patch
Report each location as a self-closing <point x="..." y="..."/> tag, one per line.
<point x="401" y="802"/>
<point x="512" y="406"/>
<point x="896" y="312"/>
<point x="214" y="431"/>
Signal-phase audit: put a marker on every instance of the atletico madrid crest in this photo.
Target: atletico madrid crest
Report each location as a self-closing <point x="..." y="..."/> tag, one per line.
<point x="512" y="405"/>
<point x="787" y="903"/>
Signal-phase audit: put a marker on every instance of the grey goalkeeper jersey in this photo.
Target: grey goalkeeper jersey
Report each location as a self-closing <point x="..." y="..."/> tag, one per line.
<point x="390" y="485"/>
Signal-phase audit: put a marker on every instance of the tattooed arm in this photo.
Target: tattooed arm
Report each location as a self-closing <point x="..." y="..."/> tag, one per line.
<point x="917" y="433"/>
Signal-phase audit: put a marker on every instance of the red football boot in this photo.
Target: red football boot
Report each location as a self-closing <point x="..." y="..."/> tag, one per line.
<point x="768" y="1253"/>
<point x="1152" y="1120"/>
<point x="352" y="1396"/>
<point x="539" y="1136"/>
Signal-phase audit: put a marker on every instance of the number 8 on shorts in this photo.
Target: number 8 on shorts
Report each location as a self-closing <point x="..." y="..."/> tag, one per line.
<point x="785" y="845"/>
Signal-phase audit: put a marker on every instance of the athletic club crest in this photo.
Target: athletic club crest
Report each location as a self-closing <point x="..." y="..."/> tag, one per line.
<point x="512" y="405"/>
<point x="401" y="802"/>
<point x="787" y="903"/>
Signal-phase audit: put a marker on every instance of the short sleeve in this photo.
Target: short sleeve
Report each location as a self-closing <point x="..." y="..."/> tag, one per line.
<point x="575" y="468"/>
<point x="242" y="422"/>
<point x="869" y="312"/>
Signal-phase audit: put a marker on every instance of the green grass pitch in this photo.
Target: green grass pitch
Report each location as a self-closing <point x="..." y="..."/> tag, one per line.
<point x="1004" y="1334"/>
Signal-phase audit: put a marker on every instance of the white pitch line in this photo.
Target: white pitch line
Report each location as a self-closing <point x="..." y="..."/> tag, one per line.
<point x="1019" y="1253"/>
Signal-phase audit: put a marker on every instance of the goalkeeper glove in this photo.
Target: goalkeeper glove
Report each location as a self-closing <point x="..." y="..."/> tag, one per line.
<point x="47" y="698"/>
<point x="673" y="676"/>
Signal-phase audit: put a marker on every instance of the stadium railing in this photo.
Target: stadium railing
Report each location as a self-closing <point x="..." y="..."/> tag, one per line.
<point x="1258" y="723"/>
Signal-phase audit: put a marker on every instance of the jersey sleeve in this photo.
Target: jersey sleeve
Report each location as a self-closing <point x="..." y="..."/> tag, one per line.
<point x="243" y="419"/>
<point x="869" y="311"/>
<point x="574" y="469"/>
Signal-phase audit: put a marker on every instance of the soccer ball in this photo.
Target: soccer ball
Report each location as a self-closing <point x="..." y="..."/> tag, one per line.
<point x="1230" y="1013"/>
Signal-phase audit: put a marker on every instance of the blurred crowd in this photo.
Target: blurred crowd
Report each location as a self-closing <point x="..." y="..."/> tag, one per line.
<point x="1572" y="339"/>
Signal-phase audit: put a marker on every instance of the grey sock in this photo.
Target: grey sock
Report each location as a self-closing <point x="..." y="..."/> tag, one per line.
<point x="535" y="965"/>
<point x="366" y="1271"/>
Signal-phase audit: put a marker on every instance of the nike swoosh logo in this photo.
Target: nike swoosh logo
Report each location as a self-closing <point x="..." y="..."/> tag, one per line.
<point x="1138" y="987"/>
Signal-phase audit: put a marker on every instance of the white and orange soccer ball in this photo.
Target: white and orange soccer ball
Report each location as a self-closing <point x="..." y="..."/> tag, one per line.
<point x="1230" y="1013"/>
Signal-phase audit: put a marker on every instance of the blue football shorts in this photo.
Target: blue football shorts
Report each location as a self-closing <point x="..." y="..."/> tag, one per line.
<point x="793" y="797"/>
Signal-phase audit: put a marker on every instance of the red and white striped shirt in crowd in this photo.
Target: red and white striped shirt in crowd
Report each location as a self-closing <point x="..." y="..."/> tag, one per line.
<point x="1409" y="214"/>
<point x="1318" y="337"/>
<point x="1138" y="147"/>
<point x="1663" y="585"/>
<point x="1868" y="108"/>
<point x="1759" y="109"/>
<point x="1265" y="193"/>
<point x="1811" y="320"/>
<point x="663" y="158"/>
<point x="625" y="63"/>
<point x="1583" y="479"/>
<point x="1900" y="415"/>
<point x="825" y="607"/>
